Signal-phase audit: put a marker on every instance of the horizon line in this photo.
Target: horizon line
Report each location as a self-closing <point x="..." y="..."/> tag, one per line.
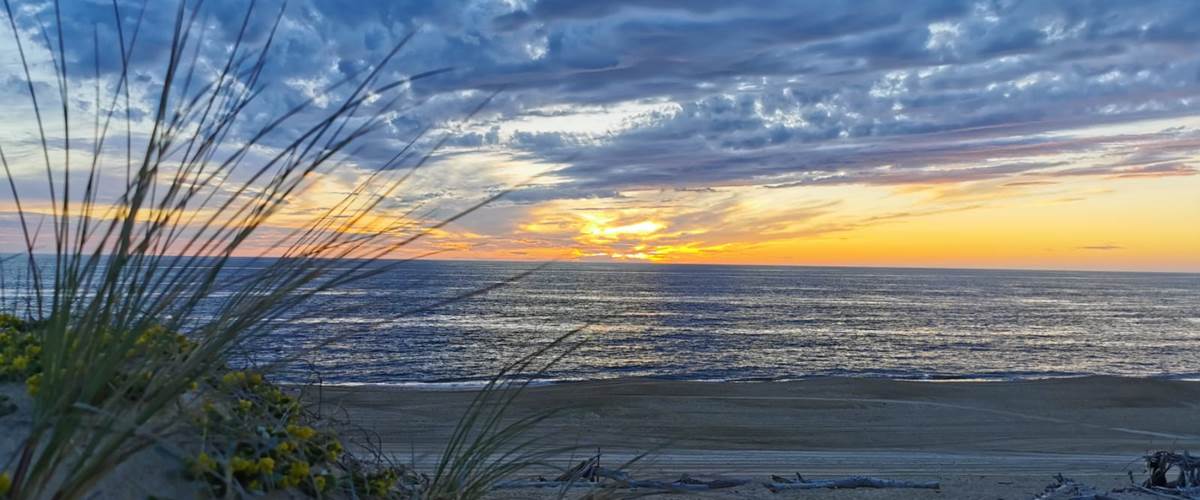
<point x="736" y="264"/>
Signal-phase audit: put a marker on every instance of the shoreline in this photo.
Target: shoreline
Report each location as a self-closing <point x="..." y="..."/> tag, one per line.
<point x="474" y="384"/>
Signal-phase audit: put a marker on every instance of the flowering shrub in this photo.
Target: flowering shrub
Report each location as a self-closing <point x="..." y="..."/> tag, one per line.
<point x="20" y="353"/>
<point x="19" y="360"/>
<point x="258" y="440"/>
<point x="255" y="434"/>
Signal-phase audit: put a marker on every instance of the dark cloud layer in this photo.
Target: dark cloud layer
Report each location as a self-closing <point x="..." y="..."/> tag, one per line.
<point x="772" y="93"/>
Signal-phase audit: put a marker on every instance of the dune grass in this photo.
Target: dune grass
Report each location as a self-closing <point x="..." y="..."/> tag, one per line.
<point x="483" y="448"/>
<point x="195" y="183"/>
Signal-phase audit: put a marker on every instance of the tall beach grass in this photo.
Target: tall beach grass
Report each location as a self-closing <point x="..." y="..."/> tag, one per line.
<point x="195" y="183"/>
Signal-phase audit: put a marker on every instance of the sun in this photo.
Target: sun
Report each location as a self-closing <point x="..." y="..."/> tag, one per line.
<point x="598" y="229"/>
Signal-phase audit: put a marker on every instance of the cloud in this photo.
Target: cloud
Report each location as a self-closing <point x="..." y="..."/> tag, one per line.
<point x="1166" y="169"/>
<point x="749" y="94"/>
<point x="889" y="176"/>
<point x="1102" y="248"/>
<point x="697" y="98"/>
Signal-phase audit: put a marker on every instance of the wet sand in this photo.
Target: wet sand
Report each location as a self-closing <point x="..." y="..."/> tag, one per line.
<point x="980" y="439"/>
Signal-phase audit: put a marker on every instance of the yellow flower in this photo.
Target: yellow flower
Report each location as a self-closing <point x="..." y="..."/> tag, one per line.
<point x="378" y="487"/>
<point x="203" y="463"/>
<point x="183" y="343"/>
<point x="297" y="471"/>
<point x="255" y="485"/>
<point x="33" y="350"/>
<point x="319" y="482"/>
<point x="301" y="432"/>
<point x="266" y="465"/>
<point x="231" y="378"/>
<point x="333" y="450"/>
<point x="33" y="383"/>
<point x="244" y="405"/>
<point x="255" y="379"/>
<point x="20" y="363"/>
<point x="206" y="461"/>
<point x="284" y="447"/>
<point x="5" y="483"/>
<point x="242" y="465"/>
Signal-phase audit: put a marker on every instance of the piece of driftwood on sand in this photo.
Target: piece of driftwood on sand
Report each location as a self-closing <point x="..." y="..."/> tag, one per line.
<point x="779" y="483"/>
<point x="1172" y="475"/>
<point x="1183" y="466"/>
<point x="589" y="474"/>
<point x="1065" y="488"/>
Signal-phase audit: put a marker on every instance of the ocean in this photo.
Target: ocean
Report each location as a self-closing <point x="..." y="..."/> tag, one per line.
<point x="722" y="323"/>
<point x="745" y="323"/>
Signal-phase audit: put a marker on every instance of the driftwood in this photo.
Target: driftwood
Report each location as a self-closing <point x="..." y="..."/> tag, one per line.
<point x="589" y="474"/>
<point x="586" y="470"/>
<point x="1171" y="475"/>
<point x="1067" y="489"/>
<point x="1160" y="464"/>
<point x="779" y="483"/>
<point x="1174" y="493"/>
<point x="622" y="480"/>
<point x="684" y="483"/>
<point x="687" y="483"/>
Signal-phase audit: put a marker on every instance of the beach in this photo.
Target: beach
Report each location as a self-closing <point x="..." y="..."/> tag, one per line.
<point x="978" y="439"/>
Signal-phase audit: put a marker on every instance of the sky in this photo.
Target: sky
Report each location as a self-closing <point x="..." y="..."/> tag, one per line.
<point x="997" y="134"/>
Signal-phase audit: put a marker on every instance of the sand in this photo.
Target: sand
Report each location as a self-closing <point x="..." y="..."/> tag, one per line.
<point x="150" y="473"/>
<point x="982" y="440"/>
